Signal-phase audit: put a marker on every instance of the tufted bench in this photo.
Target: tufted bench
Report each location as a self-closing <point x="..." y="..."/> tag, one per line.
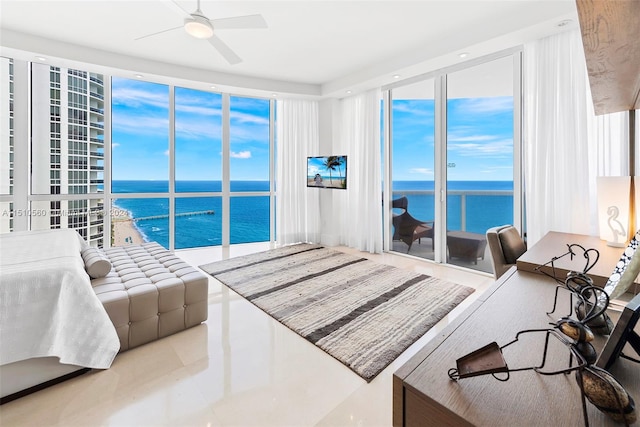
<point x="150" y="293"/>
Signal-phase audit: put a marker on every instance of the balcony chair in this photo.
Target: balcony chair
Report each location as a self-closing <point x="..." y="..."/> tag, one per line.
<point x="506" y="245"/>
<point x="408" y="229"/>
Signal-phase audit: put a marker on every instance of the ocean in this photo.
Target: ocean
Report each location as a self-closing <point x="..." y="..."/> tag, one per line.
<point x="249" y="216"/>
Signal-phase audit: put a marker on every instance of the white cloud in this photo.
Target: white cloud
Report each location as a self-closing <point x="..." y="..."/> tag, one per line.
<point x="495" y="148"/>
<point x="473" y="138"/>
<point x="413" y="109"/>
<point x="166" y="153"/>
<point x="493" y="105"/>
<point x="241" y="155"/>
<point x="140" y="124"/>
<point x="244" y="118"/>
<point x="421" y="171"/>
<point x="115" y="145"/>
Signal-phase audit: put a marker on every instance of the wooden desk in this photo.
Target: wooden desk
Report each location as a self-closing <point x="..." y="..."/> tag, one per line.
<point x="555" y="244"/>
<point x="423" y="394"/>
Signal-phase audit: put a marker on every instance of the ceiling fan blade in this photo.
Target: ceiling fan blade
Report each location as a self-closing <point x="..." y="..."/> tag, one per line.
<point x="159" y="32"/>
<point x="239" y="22"/>
<point x="224" y="50"/>
<point x="175" y="7"/>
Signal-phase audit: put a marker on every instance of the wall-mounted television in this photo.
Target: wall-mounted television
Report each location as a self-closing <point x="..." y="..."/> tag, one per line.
<point x="327" y="172"/>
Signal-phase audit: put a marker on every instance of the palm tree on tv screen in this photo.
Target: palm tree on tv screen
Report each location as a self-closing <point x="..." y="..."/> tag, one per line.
<point x="339" y="163"/>
<point x="330" y="164"/>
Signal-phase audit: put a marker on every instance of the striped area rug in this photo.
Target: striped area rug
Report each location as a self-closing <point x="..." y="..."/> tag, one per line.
<point x="359" y="311"/>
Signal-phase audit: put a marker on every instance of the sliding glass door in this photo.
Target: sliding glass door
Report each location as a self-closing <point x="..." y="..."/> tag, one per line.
<point x="454" y="164"/>
<point x="479" y="153"/>
<point x="412" y="180"/>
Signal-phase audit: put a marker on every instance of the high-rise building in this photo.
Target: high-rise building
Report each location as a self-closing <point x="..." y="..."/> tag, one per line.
<point x="6" y="143"/>
<point x="67" y="155"/>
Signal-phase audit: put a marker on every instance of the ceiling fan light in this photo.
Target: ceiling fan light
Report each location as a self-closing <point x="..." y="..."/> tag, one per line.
<point x="198" y="27"/>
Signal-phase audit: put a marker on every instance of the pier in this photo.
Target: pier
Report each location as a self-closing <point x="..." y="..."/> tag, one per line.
<point x="145" y="218"/>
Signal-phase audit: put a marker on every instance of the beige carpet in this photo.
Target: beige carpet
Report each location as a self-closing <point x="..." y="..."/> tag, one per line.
<point x="360" y="312"/>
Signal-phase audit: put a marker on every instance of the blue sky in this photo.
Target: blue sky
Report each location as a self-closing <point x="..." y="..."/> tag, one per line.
<point x="480" y="136"/>
<point x="479" y="143"/>
<point x="140" y="126"/>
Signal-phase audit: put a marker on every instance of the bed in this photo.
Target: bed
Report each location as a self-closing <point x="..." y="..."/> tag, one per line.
<point x="51" y="321"/>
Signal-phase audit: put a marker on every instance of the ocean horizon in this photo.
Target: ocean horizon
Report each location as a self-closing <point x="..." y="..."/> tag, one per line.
<point x="249" y="216"/>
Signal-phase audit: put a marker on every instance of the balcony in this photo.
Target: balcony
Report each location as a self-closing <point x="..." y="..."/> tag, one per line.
<point x="96" y="181"/>
<point x="96" y="95"/>
<point x="96" y="168"/>
<point x="471" y="211"/>
<point x="97" y="125"/>
<point x="97" y="140"/>
<point x="96" y="154"/>
<point x="96" y="80"/>
<point x="97" y="110"/>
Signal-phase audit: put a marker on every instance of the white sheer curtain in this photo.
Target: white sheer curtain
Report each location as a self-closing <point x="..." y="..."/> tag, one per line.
<point x="565" y="146"/>
<point x="360" y="133"/>
<point x="297" y="218"/>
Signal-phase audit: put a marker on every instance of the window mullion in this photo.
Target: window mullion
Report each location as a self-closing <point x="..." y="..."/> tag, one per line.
<point x="226" y="149"/>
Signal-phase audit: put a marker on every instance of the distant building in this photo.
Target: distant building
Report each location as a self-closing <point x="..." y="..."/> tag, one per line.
<point x="6" y="143"/>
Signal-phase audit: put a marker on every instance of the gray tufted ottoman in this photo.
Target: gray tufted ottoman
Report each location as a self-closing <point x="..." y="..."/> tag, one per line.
<point x="150" y="293"/>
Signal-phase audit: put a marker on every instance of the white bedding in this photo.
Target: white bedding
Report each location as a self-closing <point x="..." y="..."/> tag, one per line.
<point x="47" y="305"/>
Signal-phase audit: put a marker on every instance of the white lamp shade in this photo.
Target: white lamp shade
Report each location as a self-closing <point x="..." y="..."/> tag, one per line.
<point x="613" y="209"/>
<point x="198" y="27"/>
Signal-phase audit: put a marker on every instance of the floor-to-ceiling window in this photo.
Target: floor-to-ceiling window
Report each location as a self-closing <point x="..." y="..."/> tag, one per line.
<point x="155" y="154"/>
<point x="249" y="166"/>
<point x="139" y="162"/>
<point x="198" y="168"/>
<point x="454" y="160"/>
<point x="207" y="206"/>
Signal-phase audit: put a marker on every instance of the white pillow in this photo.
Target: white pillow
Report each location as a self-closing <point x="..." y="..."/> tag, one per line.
<point x="95" y="262"/>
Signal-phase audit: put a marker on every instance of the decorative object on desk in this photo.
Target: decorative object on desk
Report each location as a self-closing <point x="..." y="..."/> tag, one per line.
<point x="607" y="394"/>
<point x="596" y="385"/>
<point x="485" y="360"/>
<point x="576" y="282"/>
<point x="614" y="201"/>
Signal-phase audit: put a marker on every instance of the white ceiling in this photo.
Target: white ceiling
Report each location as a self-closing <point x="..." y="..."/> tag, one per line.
<point x="316" y="47"/>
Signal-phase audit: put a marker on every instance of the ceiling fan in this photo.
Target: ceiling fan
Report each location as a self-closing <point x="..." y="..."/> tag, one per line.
<point x="197" y="25"/>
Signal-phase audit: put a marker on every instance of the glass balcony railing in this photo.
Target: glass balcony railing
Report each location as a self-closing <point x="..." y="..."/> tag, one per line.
<point x="467" y="210"/>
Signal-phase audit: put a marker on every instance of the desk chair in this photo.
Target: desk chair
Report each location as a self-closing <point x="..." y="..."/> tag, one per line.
<point x="506" y="246"/>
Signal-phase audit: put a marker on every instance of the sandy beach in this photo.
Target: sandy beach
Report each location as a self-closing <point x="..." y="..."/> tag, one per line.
<point x="123" y="230"/>
<point x="335" y="182"/>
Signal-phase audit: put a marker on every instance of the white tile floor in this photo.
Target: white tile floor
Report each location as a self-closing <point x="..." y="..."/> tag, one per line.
<point x="240" y="368"/>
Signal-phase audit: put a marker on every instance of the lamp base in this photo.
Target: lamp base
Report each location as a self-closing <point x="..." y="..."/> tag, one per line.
<point x="617" y="244"/>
